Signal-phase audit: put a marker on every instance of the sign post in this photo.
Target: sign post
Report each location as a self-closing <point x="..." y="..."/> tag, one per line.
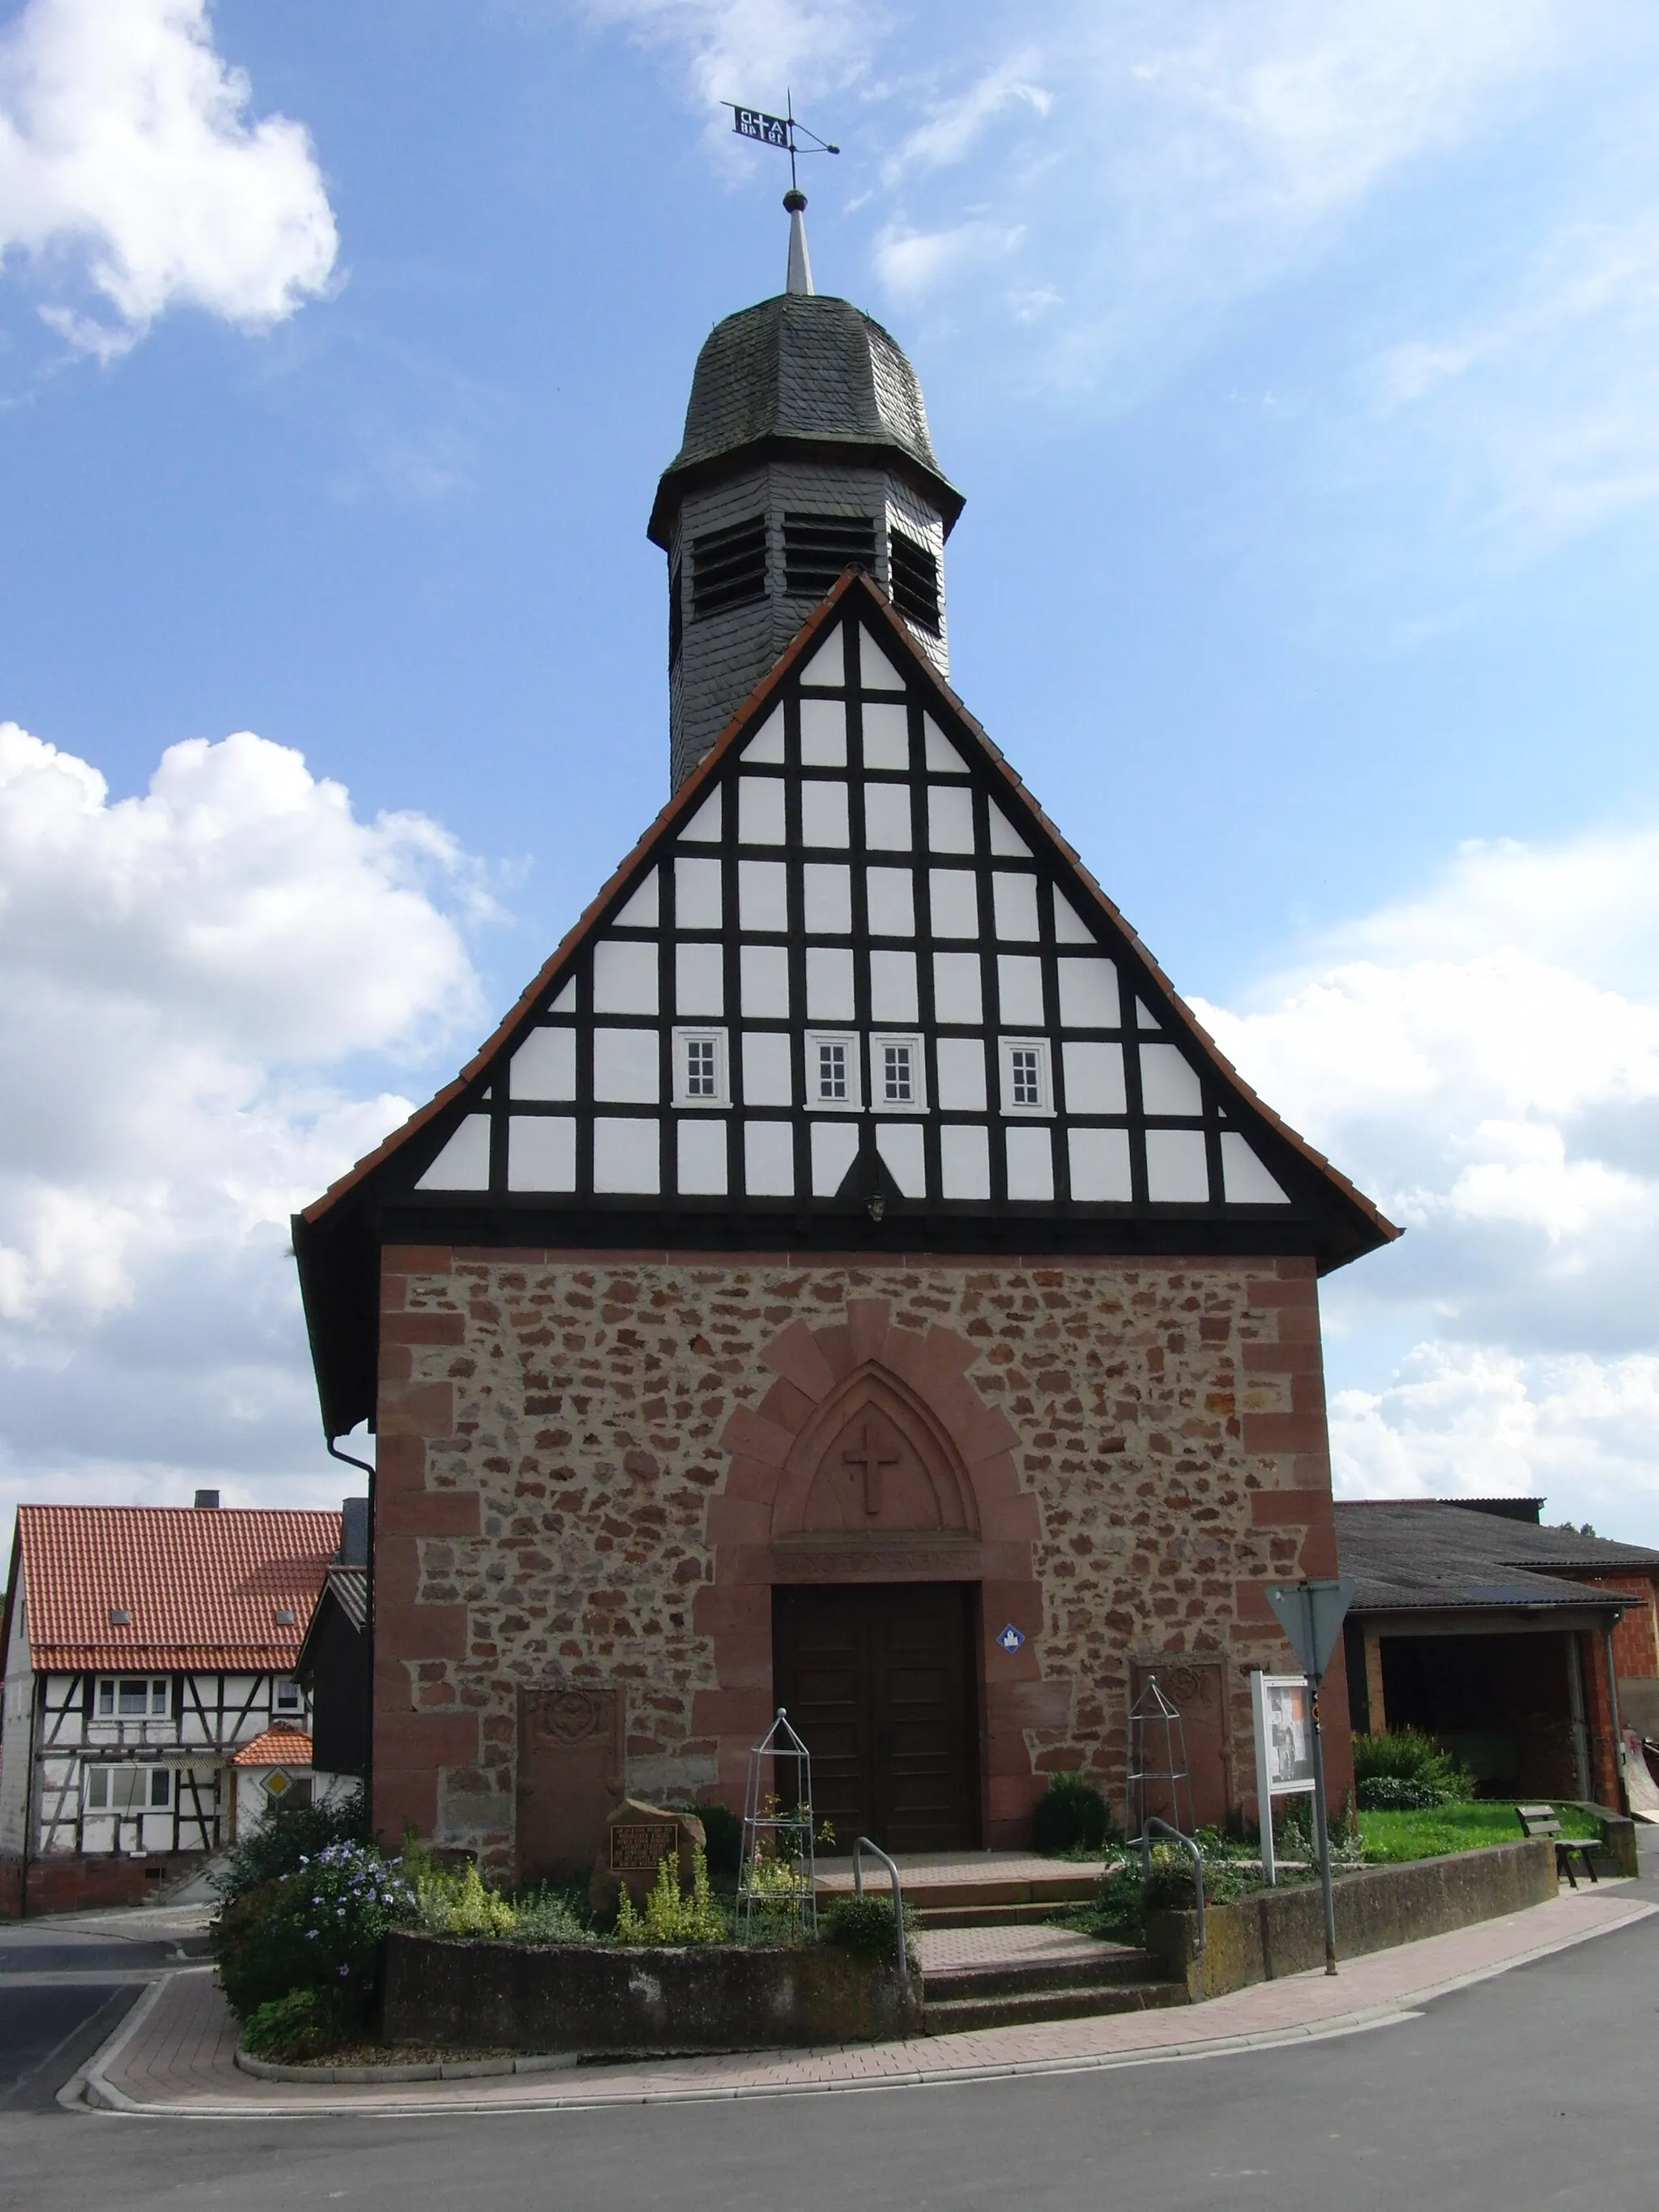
<point x="1311" y="1616"/>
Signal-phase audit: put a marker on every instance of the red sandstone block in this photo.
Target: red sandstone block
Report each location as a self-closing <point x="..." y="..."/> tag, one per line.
<point x="420" y="1409"/>
<point x="422" y="1259"/>
<point x="866" y="1328"/>
<point x="786" y="1405"/>
<point x="732" y="1712"/>
<point x="420" y="1632"/>
<point x="1269" y="1508"/>
<point x="394" y="1363"/>
<point x="748" y="1433"/>
<point x="836" y="1349"/>
<point x="404" y="1738"/>
<point x="1284" y="1432"/>
<point x="1284" y="1356"/>
<point x="422" y="1328"/>
<point x="1318" y="1554"/>
<point x="738" y="1520"/>
<point x="435" y="1513"/>
<point x="1251" y="1608"/>
<point x="1011" y="1520"/>
<point x="1278" y="1291"/>
<point x="794" y="1355"/>
<point x="1034" y="1705"/>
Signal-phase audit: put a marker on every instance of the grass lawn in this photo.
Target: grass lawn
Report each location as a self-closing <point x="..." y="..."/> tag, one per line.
<point x="1392" y="1836"/>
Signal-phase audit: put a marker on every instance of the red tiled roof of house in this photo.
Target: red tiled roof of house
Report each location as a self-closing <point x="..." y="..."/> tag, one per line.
<point x="221" y="1588"/>
<point x="277" y="1747"/>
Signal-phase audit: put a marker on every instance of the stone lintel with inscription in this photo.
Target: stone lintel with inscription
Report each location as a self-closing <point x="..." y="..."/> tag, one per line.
<point x="878" y="1559"/>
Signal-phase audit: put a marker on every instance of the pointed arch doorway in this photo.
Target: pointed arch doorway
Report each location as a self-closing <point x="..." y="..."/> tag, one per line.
<point x="878" y="1679"/>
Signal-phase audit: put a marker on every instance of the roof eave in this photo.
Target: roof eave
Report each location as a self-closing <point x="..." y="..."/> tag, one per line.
<point x="682" y="477"/>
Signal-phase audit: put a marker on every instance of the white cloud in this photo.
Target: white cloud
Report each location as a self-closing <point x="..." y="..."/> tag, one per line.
<point x="753" y="50"/>
<point x="1484" y="1061"/>
<point x="197" y="987"/>
<point x="130" y="161"/>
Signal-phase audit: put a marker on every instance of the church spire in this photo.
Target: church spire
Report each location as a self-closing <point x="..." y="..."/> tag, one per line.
<point x="799" y="276"/>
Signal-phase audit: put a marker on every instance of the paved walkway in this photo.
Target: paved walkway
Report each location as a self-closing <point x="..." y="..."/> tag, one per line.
<point x="173" y="2057"/>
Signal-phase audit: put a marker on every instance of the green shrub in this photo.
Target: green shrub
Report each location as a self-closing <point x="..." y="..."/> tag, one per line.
<point x="864" y="1924"/>
<point x="549" y="1916"/>
<point x="322" y="1927"/>
<point x="1407" y="1755"/>
<point x="452" y="1904"/>
<point x="1397" y="1793"/>
<point x="289" y="2029"/>
<point x="724" y="1832"/>
<point x="669" y="1917"/>
<point x="286" y="1839"/>
<point x="1071" y="1815"/>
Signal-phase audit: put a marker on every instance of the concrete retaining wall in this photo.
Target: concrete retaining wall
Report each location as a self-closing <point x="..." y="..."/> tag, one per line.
<point x="446" y="1989"/>
<point x="1282" y="1931"/>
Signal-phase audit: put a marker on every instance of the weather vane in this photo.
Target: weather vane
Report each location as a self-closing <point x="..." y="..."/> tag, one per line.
<point x="781" y="130"/>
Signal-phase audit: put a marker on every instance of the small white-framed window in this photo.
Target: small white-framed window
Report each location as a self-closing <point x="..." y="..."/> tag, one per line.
<point x="133" y="1697"/>
<point x="898" y="1077"/>
<point x="700" y="1068"/>
<point x="287" y="1699"/>
<point x="128" y="1789"/>
<point x="834" y="1083"/>
<point x="1027" y="1087"/>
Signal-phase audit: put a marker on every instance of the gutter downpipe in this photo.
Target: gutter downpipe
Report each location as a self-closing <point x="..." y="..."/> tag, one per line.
<point x="346" y="1459"/>
<point x="1575" y="1710"/>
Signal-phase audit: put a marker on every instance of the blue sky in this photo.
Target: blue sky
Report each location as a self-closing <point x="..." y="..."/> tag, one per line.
<point x="1298" y="363"/>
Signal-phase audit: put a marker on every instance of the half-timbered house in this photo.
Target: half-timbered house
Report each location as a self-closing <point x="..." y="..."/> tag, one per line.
<point x="849" y="1278"/>
<point x="142" y="1646"/>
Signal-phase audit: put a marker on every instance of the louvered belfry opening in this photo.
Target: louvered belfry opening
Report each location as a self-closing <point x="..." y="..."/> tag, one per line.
<point x="915" y="581"/>
<point x="728" y="566"/>
<point x="676" y="613"/>
<point x="816" y="548"/>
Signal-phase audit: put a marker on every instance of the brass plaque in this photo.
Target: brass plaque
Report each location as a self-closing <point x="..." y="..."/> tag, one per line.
<point x="636" y="1848"/>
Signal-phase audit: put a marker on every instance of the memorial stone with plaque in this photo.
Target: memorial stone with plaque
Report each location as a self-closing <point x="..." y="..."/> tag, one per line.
<point x="638" y="1837"/>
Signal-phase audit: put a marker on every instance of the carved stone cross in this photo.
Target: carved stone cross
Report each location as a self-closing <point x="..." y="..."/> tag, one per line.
<point x="872" y="1462"/>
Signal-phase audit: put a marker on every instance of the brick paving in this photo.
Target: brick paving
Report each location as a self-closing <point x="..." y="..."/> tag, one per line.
<point x="177" y="2057"/>
<point x="950" y="1950"/>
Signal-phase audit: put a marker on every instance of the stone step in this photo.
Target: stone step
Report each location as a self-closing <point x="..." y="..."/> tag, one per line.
<point x="952" y="2015"/>
<point x="1115" y="1969"/>
<point x="986" y="1894"/>
<point x="983" y="1916"/>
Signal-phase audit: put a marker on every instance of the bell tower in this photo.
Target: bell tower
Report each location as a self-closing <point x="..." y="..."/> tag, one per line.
<point x="806" y="452"/>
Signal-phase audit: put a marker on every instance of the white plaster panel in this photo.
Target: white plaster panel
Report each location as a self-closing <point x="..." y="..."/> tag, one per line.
<point x="1094" y="1078"/>
<point x="891" y="900"/>
<point x="829" y="983"/>
<point x="640" y="912"/>
<point x="704" y="827"/>
<point x="700" y="979"/>
<point x="1014" y="901"/>
<point x="762" y="894"/>
<point x="541" y="1152"/>
<point x="955" y="899"/>
<point x="876" y="671"/>
<point x="956" y="996"/>
<point x="627" y="1155"/>
<point x="1244" y="1181"/>
<point x="464" y="1162"/>
<point x="960" y="1076"/>
<point x="624" y="977"/>
<point x="1145" y="1018"/>
<point x="941" y="755"/>
<point x="824" y="814"/>
<point x="823" y="733"/>
<point x="1088" y="994"/>
<point x="565" y="1003"/>
<point x="834" y="1146"/>
<point x="964" y="1158"/>
<point x="1006" y="841"/>
<point x="765" y="972"/>
<point x="827" y="666"/>
<point x="1177" y="1169"/>
<point x="828" y="889"/>
<point x="1070" y="929"/>
<point x="1168" y="1084"/>
<point x="627" y="1067"/>
<point x="765" y="748"/>
<point x="892" y="986"/>
<point x="949" y="818"/>
<point x="760" y="809"/>
<point x="886" y="735"/>
<point x="544" y="1066"/>
<point x="1019" y="987"/>
<point x="703" y="1158"/>
<point x="768" y="1159"/>
<point x="1100" y="1164"/>
<point x="697" y="894"/>
<point x="899" y="1146"/>
<point x="1030" y="1156"/>
<point x="887" y="817"/>
<point x="766" y="1078"/>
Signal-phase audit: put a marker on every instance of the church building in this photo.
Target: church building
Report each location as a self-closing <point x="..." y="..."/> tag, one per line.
<point x="849" y="1278"/>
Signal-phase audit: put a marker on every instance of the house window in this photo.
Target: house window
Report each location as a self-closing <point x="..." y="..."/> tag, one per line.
<point x="897" y="1084"/>
<point x="1026" y="1087"/>
<point x="834" y="1078"/>
<point x="128" y="1789"/>
<point x="700" y="1068"/>
<point x="288" y="1697"/>
<point x="832" y="1072"/>
<point x="133" y="1697"/>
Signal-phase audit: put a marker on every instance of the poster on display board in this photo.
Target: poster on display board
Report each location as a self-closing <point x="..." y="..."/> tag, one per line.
<point x="1282" y="1706"/>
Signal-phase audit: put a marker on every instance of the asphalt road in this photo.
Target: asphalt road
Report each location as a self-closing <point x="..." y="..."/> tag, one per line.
<point x="1536" y="2089"/>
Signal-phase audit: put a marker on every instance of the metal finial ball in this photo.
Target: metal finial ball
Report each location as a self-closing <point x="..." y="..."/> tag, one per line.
<point x="795" y="202"/>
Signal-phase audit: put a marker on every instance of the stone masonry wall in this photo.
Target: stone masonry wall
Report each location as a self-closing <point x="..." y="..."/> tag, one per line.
<point x="556" y="1441"/>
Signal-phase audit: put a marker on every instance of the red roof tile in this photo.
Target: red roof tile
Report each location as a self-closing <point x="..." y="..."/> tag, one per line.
<point x="277" y="1747"/>
<point x="200" y="1587"/>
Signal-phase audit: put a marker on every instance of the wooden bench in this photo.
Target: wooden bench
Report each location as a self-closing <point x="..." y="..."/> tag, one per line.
<point x="1543" y="1820"/>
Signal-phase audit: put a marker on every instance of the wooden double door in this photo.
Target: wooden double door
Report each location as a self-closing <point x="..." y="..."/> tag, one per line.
<point x="878" y="1681"/>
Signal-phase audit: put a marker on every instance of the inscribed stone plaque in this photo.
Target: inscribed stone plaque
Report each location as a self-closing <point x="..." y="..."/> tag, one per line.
<point x="570" y="1774"/>
<point x="638" y="1839"/>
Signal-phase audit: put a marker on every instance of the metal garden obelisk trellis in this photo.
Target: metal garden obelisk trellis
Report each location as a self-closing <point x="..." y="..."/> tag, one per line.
<point x="777" y="1880"/>
<point x="1158" y="1754"/>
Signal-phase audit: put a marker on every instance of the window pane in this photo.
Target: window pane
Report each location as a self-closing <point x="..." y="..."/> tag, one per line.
<point x="287" y="1693"/>
<point x="127" y="1789"/>
<point x="160" y="1787"/>
<point x="896" y="1074"/>
<point x="135" y="1698"/>
<point x="832" y="1071"/>
<point x="97" y="1789"/>
<point x="105" y="1698"/>
<point x="158" y="1697"/>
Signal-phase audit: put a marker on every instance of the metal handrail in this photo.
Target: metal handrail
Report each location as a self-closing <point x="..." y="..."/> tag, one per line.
<point x="1186" y="1844"/>
<point x="859" y="1848"/>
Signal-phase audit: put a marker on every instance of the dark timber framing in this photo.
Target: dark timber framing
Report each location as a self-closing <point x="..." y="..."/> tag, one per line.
<point x="338" y="1239"/>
